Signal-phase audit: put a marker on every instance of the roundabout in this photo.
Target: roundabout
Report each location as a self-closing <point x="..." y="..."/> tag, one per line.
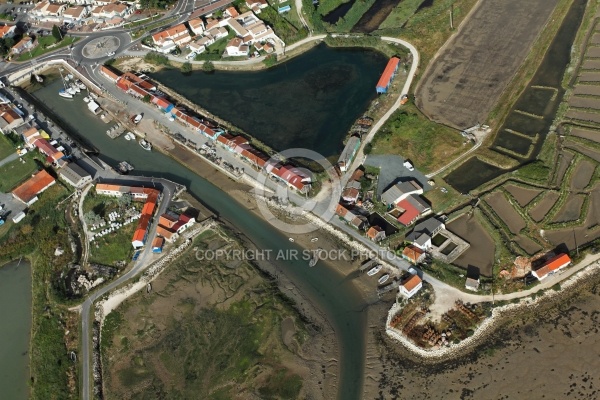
<point x="101" y="47"/>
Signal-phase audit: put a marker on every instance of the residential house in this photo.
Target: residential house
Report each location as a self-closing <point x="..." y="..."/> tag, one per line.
<point x="552" y="266"/>
<point x="472" y="281"/>
<point x="413" y="254"/>
<point x="28" y="191"/>
<point x="251" y="29"/>
<point x="410" y="286"/>
<point x="217" y="33"/>
<point x="357" y="221"/>
<point x="75" y="176"/>
<point x="350" y="194"/>
<point x="236" y="48"/>
<point x="199" y="46"/>
<point x="424" y="231"/>
<point x="9" y="118"/>
<point x="7" y="31"/>
<point x="256" y="5"/>
<point x="399" y="191"/>
<point x="52" y="153"/>
<point x="47" y="11"/>
<point x="109" y="73"/>
<point x="112" y="14"/>
<point x="231" y="12"/>
<point x="167" y="40"/>
<point x="196" y="26"/>
<point x="376" y="233"/>
<point x="348" y="153"/>
<point x="171" y="225"/>
<point x="411" y="208"/>
<point x="30" y="136"/>
<point x="23" y="45"/>
<point x="157" y="244"/>
<point x="75" y="14"/>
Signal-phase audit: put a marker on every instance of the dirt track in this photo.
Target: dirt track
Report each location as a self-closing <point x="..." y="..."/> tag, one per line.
<point x="468" y="76"/>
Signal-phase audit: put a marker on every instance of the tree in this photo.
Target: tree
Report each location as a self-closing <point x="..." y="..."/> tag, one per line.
<point x="57" y="33"/>
<point x="186" y="67"/>
<point x="124" y="201"/>
<point x="146" y="98"/>
<point x="91" y="218"/>
<point x="208" y="66"/>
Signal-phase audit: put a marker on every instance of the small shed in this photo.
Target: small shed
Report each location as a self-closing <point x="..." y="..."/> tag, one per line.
<point x="157" y="244"/>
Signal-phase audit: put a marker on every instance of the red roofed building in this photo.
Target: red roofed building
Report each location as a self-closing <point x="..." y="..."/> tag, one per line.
<point x="167" y="40"/>
<point x="28" y="191"/>
<point x="141" y="232"/>
<point x="413" y="254"/>
<point x="46" y="148"/>
<point x="410" y="213"/>
<point x="376" y="234"/>
<point x="170" y="225"/>
<point x="157" y="244"/>
<point x="411" y="286"/>
<point x="551" y="266"/>
<point x="388" y="75"/>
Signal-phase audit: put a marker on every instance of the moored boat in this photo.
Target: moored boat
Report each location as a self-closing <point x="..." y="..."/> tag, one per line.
<point x="75" y="88"/>
<point x="145" y="145"/>
<point x="383" y="279"/>
<point x="71" y="91"/>
<point x="374" y="270"/>
<point x="124" y="167"/>
<point x="65" y="94"/>
<point x="129" y="136"/>
<point x="86" y="99"/>
<point x="80" y="85"/>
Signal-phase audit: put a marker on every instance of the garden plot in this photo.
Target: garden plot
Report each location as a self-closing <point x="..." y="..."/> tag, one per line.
<point x="571" y="210"/>
<point x="482" y="249"/>
<point x="593" y="216"/>
<point x="593" y="52"/>
<point x="587" y="90"/>
<point x="591" y="64"/>
<point x="530" y="246"/>
<point x="467" y="77"/>
<point x="506" y="212"/>
<point x="594" y="155"/>
<point x="584" y="116"/>
<point x="595" y="38"/>
<point x="522" y="195"/>
<point x="539" y="211"/>
<point x="582" y="175"/>
<point x="589" y="77"/>
<point x="584" y="102"/>
<point x="572" y="238"/>
<point x="565" y="161"/>
<point x="588" y="134"/>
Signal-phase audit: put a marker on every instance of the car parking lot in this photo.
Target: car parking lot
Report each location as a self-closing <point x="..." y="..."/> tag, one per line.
<point x="10" y="206"/>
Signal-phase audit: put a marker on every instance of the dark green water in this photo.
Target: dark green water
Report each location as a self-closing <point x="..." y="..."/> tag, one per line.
<point x="15" y="328"/>
<point x="310" y="101"/>
<point x="541" y="102"/>
<point x="336" y="297"/>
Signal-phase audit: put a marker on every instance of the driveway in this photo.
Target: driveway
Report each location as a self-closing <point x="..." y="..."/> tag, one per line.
<point x="391" y="169"/>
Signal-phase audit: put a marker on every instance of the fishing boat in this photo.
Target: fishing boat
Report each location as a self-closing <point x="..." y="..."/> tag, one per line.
<point x="65" y="94"/>
<point x="70" y="76"/>
<point x="124" y="167"/>
<point x="86" y="99"/>
<point x="129" y="136"/>
<point x="313" y="261"/>
<point x="374" y="270"/>
<point x="291" y="240"/>
<point x="80" y="85"/>
<point x="383" y="279"/>
<point x="71" y="91"/>
<point x="137" y="119"/>
<point x="38" y="78"/>
<point x="75" y="88"/>
<point x="314" y="239"/>
<point x="145" y="145"/>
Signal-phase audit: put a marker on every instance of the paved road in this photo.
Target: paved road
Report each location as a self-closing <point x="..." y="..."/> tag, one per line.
<point x="8" y="159"/>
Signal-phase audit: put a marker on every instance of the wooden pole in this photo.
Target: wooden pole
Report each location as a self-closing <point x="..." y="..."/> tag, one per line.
<point x="451" y="22"/>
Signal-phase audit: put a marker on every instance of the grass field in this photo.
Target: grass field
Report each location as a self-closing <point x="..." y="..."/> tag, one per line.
<point x="427" y="144"/>
<point x="43" y="46"/>
<point x="113" y="247"/>
<point x="401" y="13"/>
<point x="14" y="172"/>
<point x="6" y="147"/>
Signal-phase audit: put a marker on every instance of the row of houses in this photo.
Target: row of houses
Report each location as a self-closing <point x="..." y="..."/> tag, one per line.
<point x="110" y="13"/>
<point x="139" y="86"/>
<point x="198" y="34"/>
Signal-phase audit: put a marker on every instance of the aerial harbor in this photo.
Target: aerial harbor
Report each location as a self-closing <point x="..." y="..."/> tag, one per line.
<point x="299" y="199"/>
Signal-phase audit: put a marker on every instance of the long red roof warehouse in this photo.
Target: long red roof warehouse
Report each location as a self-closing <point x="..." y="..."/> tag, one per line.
<point x="388" y="72"/>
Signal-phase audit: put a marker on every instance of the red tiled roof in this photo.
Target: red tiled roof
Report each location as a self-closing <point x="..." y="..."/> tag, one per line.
<point x="33" y="186"/>
<point x="109" y="72"/>
<point x="341" y="210"/>
<point x="373" y="231"/>
<point x="164" y="232"/>
<point x="167" y="220"/>
<point x="412" y="253"/>
<point x="553" y="264"/>
<point x="388" y="72"/>
<point x="411" y="282"/>
<point x="158" y="242"/>
<point x="410" y="213"/>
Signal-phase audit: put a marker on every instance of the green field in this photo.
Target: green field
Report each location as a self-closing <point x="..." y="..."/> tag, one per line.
<point x="6" y="147"/>
<point x="410" y="134"/>
<point x="15" y="172"/>
<point x="401" y="13"/>
<point x="113" y="247"/>
<point x="43" y="47"/>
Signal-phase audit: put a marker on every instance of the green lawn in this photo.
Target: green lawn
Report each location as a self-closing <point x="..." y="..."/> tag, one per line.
<point x="401" y="14"/>
<point x="13" y="173"/>
<point x="215" y="51"/>
<point x="113" y="247"/>
<point x="6" y="147"/>
<point x="43" y="47"/>
<point x="410" y="134"/>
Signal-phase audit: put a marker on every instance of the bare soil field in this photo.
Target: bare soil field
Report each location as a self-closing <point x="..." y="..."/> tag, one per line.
<point x="465" y="80"/>
<point x="506" y="212"/>
<point x="593" y="90"/>
<point x="584" y="102"/>
<point x="521" y="194"/>
<point x="582" y="175"/>
<point x="565" y="161"/>
<point x="556" y="350"/>
<point x="571" y="210"/>
<point x="588" y="134"/>
<point x="594" y="155"/>
<point x="592" y="76"/>
<point x="540" y="210"/>
<point x="593" y="52"/>
<point x="593" y="216"/>
<point x="583" y="116"/>
<point x="572" y="237"/>
<point x="481" y="251"/>
<point x="591" y="64"/>
<point x="595" y="39"/>
<point x="528" y="245"/>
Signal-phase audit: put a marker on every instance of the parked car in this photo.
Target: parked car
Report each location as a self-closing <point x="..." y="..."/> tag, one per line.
<point x="408" y="165"/>
<point x="191" y="56"/>
<point x="111" y="53"/>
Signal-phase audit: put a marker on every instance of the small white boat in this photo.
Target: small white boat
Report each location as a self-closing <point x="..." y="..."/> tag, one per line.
<point x="145" y="145"/>
<point x="80" y="85"/>
<point x="75" y="88"/>
<point x="313" y="261"/>
<point x="291" y="240"/>
<point x="137" y="119"/>
<point x="314" y="239"/>
<point x="374" y="270"/>
<point x="38" y="78"/>
<point x="93" y="95"/>
<point x="129" y="136"/>
<point x="65" y="94"/>
<point x="86" y="99"/>
<point x="70" y="76"/>
<point x="383" y="279"/>
<point x="71" y="91"/>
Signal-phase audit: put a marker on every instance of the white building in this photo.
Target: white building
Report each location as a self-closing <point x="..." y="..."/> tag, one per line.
<point x="411" y="286"/>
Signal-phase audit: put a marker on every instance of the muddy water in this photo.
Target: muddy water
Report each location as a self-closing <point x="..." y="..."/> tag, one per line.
<point x="15" y="327"/>
<point x="549" y="74"/>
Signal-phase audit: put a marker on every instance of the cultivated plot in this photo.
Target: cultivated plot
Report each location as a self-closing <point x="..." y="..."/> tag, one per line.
<point x="506" y="212"/>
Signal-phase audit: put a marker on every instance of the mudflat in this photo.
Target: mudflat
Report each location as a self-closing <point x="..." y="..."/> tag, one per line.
<point x="469" y="74"/>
